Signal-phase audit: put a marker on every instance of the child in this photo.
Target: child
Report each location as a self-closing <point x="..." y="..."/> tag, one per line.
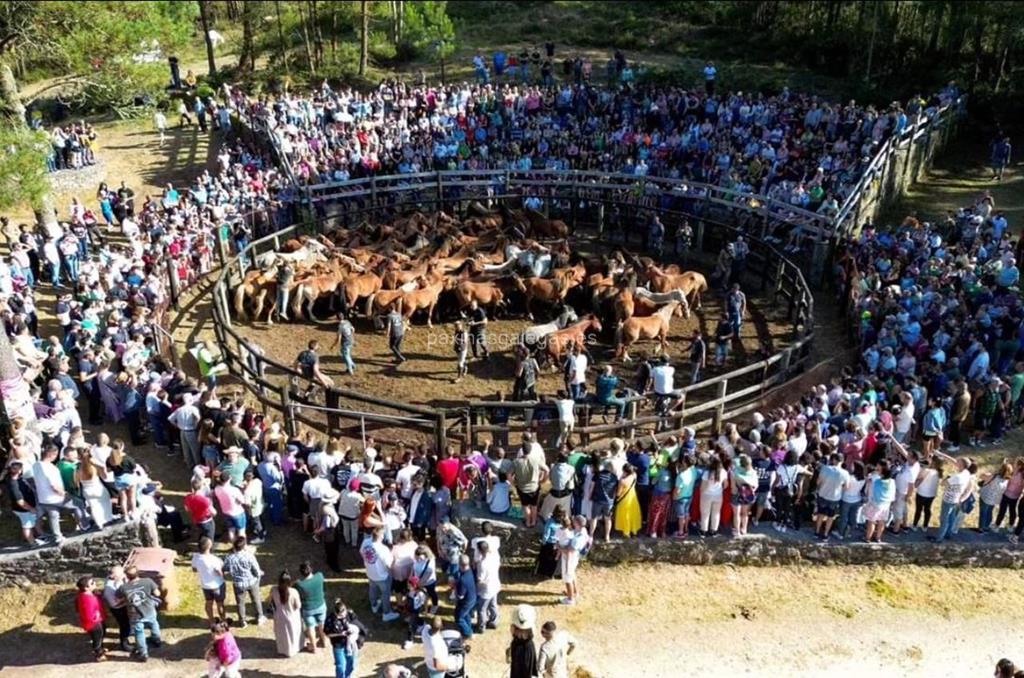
<point x="415" y="602"/>
<point x="91" y="615"/>
<point x="223" y="658"/>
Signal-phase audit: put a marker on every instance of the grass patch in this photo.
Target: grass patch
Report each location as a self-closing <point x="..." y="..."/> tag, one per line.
<point x="887" y="592"/>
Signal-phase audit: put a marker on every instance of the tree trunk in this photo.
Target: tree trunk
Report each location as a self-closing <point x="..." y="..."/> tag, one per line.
<point x="871" y="43"/>
<point x="318" y="36"/>
<point x="334" y="31"/>
<point x="246" y="60"/>
<point x="280" y="37"/>
<point x="933" y="39"/>
<point x="979" y="33"/>
<point x="364" y="37"/>
<point x="204" y="19"/>
<point x="310" y="64"/>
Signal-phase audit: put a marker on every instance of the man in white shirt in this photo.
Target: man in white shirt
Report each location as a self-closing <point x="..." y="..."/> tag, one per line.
<point x="553" y="656"/>
<point x="211" y="578"/>
<point x="578" y="364"/>
<point x="186" y="419"/>
<point x="405" y="475"/>
<point x="488" y="585"/>
<point x="566" y="417"/>
<point x="377" y="559"/>
<point x="831" y="480"/>
<point x="314" y="490"/>
<point x="435" y="650"/>
<point x="905" y="479"/>
<point x="51" y="498"/>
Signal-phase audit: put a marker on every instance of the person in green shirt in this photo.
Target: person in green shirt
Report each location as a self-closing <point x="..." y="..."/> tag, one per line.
<point x="313" y="609"/>
<point x="67" y="467"/>
<point x="235" y="466"/>
<point x="1016" y="386"/>
<point x="606" y="385"/>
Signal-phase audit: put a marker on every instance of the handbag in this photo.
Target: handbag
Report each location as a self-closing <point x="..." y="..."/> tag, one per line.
<point x="746" y="495"/>
<point x="967" y="505"/>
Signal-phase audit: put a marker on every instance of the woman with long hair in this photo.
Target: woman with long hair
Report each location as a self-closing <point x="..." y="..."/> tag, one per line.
<point x="287" y="622"/>
<point x="744" y="491"/>
<point x="122" y="465"/>
<point x="712" y="489"/>
<point x="926" y="487"/>
<point x="628" y="519"/>
<point x="95" y="494"/>
<point x="881" y="493"/>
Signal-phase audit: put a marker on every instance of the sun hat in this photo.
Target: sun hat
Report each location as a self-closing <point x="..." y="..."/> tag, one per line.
<point x="524" y="617"/>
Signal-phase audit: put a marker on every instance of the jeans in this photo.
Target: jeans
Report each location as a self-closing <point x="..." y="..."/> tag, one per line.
<point x="282" y="301"/>
<point x="947" y="519"/>
<point x="275" y="504"/>
<point x="380" y="595"/>
<point x="55" y="273"/>
<point x="139" y="627"/>
<point x="344" y="663"/>
<point x="618" y="403"/>
<point x="52" y="512"/>
<point x="157" y="428"/>
<point x="71" y="263"/>
<point x="486" y="612"/>
<point x="847" y="516"/>
<point x="985" y="515"/>
<point x="395" y="344"/>
<point x="346" y="357"/>
<point x="464" y="617"/>
<point x="576" y="391"/>
<point x="253" y="592"/>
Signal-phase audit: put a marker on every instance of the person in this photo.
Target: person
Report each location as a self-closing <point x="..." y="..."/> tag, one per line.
<point x="415" y="608"/>
<point x="51" y="495"/>
<point x="628" y="517"/>
<point x="285" y="277"/>
<point x="562" y="478"/>
<point x="553" y="656"/>
<point x="572" y="540"/>
<point x="1005" y="668"/>
<point x="160" y="122"/>
<point x="832" y="480"/>
<point x="465" y="597"/>
<point x="345" y="337"/>
<point x="881" y="493"/>
<point x="743" y="493"/>
<point x="344" y="637"/>
<point x="308" y="364"/>
<point x="200" y="509"/>
<point x="710" y="73"/>
<point x="530" y="470"/>
<point x="1002" y="151"/>
<point x="313" y="609"/>
<point x="141" y="596"/>
<point x="712" y="491"/>
<point x="210" y="569"/>
<point x="435" y="650"/>
<point x="956" y="490"/>
<point x="925" y="490"/>
<point x="723" y="338"/>
<point x="117" y="605"/>
<point x="577" y="364"/>
<point x="22" y="495"/>
<point x="488" y="580"/>
<point x="245" y="572"/>
<point x="606" y="387"/>
<point x="852" y="499"/>
<point x="223" y="658"/>
<point x="396" y="332"/>
<point x="499" y="497"/>
<point x="698" y="356"/>
<point x="521" y="654"/>
<point x="460" y="342"/>
<point x="377" y="560"/>
<point x="232" y="505"/>
<point x="602" y="496"/>
<point x="89" y="603"/>
<point x="477" y="329"/>
<point x="685" y="483"/>
<point x="286" y="604"/>
<point x="736" y="305"/>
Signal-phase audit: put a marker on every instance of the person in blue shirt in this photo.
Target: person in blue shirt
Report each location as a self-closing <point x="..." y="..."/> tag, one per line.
<point x="1009" y="276"/>
<point x="1001" y="153"/>
<point x="465" y="597"/>
<point x="640" y="460"/>
<point x="607" y="384"/>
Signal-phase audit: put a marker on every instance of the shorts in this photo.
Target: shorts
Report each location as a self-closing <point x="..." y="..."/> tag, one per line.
<point x="125" y="482"/>
<point x="600" y="509"/>
<point x="529" y="498"/>
<point x="28" y="520"/>
<point x="216" y="594"/>
<point x="683" y="507"/>
<point x="315" y="617"/>
<point x="235" y="522"/>
<point x="829" y="509"/>
<point x="899" y="508"/>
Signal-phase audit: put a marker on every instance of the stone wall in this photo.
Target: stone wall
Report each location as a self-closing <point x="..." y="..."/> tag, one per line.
<point x="519" y="547"/>
<point x="91" y="553"/>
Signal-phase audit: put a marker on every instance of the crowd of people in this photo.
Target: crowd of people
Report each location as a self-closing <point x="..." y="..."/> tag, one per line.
<point x="72" y="147"/>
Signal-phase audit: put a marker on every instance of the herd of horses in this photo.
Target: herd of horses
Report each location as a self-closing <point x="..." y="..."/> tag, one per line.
<point x="421" y="262"/>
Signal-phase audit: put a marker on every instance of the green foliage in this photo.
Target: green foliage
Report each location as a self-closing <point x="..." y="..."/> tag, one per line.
<point x="430" y="30"/>
<point x="23" y="177"/>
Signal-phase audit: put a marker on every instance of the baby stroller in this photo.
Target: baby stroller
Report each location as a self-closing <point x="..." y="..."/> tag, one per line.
<point x="457" y="651"/>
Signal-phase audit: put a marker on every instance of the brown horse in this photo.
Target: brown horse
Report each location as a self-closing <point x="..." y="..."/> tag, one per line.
<point x="542" y="227"/>
<point x="628" y="305"/>
<point x="635" y="329"/>
<point x="550" y="290"/>
<point x="254" y="286"/>
<point x="307" y="291"/>
<point x="558" y="342"/>
<point x="488" y="294"/>
<point x="359" y="286"/>
<point x="691" y="283"/>
<point x="425" y="298"/>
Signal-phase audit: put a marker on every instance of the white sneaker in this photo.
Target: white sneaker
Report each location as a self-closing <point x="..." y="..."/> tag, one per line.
<point x="406" y="645"/>
<point x="567" y="601"/>
<point x="390" y="617"/>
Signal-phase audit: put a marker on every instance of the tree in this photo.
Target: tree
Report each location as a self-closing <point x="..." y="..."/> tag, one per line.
<point x="204" y="19"/>
<point x="364" y="36"/>
<point x="430" y="30"/>
<point x="250" y="19"/>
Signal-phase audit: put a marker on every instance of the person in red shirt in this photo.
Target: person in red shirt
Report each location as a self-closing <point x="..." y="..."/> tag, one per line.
<point x="200" y="509"/>
<point x="448" y="469"/>
<point x="91" y="615"/>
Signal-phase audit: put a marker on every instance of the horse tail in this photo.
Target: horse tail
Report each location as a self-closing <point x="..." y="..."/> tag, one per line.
<point x="240" y="301"/>
<point x="370" y="300"/>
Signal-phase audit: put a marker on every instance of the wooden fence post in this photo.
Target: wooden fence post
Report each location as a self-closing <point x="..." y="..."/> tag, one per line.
<point x="723" y="390"/>
<point x="332" y="399"/>
<point x="440" y="432"/>
<point x="286" y="409"/>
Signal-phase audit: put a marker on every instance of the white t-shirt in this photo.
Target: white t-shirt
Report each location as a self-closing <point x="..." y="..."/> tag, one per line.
<point x="579" y="369"/>
<point x="210" y="569"/>
<point x="49" y="486"/>
<point x="905" y="419"/>
<point x="664" y="379"/>
<point x="565" y="410"/>
<point x="488" y="583"/>
<point x="906" y="477"/>
<point x="314" y="488"/>
<point x="929" y="486"/>
<point x="955" y="486"/>
<point x="852" y="490"/>
<point x="377" y="559"/>
<point x="404" y="479"/>
<point x="435" y="649"/>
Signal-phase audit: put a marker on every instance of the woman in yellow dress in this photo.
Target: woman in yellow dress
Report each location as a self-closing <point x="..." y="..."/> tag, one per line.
<point x="628" y="519"/>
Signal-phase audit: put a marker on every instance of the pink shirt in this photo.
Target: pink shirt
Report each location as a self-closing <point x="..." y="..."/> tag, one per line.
<point x="227" y="650"/>
<point x="1015" y="487"/>
<point x="230" y="500"/>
